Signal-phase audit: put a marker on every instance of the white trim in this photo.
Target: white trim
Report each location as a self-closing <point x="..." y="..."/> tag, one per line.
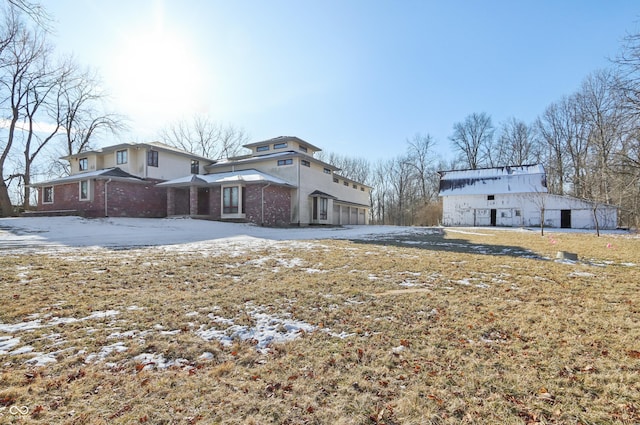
<point x="44" y="189"/>
<point x="89" y="191"/>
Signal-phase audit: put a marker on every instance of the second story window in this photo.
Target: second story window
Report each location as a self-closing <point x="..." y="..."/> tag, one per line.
<point x="327" y="171"/>
<point x="195" y="166"/>
<point x="303" y="148"/>
<point x="280" y="145"/>
<point x="83" y="164"/>
<point x="262" y="148"/>
<point x="288" y="161"/>
<point x="306" y="163"/>
<point x="121" y="157"/>
<point x="152" y="158"/>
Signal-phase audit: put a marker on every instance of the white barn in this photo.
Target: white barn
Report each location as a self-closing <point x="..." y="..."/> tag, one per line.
<point x="515" y="197"/>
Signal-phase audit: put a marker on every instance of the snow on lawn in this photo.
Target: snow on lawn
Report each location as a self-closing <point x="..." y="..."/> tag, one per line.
<point x="31" y="233"/>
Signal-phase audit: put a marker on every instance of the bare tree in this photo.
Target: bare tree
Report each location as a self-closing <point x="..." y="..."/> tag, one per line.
<point x="420" y="158"/>
<point x="472" y="139"/>
<point x="354" y="168"/>
<point x="20" y="65"/>
<point x="33" y="10"/>
<point x="517" y="143"/>
<point x="203" y="136"/>
<point x="81" y="110"/>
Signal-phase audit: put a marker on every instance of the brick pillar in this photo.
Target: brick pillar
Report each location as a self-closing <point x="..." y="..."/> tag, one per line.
<point x="171" y="201"/>
<point x="193" y="200"/>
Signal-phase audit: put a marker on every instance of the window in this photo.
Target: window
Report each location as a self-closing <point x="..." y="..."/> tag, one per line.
<point x="355" y="186"/>
<point x="305" y="163"/>
<point x="362" y="188"/>
<point x="152" y="158"/>
<point x="303" y="148"/>
<point x="195" y="166"/>
<point x="346" y="183"/>
<point x="47" y="195"/>
<point x="320" y="207"/>
<point x="262" y="148"/>
<point x="121" y="157"/>
<point x="335" y="180"/>
<point x="85" y="194"/>
<point x="518" y="213"/>
<point x="327" y="171"/>
<point x="230" y="200"/>
<point x="280" y="145"/>
<point x="287" y="161"/>
<point x="324" y="202"/>
<point x="491" y="197"/>
<point x="83" y="164"/>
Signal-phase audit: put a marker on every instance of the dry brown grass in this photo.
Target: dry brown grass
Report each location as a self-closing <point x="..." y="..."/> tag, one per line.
<point x="431" y="332"/>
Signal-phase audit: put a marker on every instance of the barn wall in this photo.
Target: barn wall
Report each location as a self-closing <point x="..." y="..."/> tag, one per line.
<point x="523" y="210"/>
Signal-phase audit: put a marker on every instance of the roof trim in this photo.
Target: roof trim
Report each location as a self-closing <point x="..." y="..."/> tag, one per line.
<point x="114" y="173"/>
<point x="283" y="139"/>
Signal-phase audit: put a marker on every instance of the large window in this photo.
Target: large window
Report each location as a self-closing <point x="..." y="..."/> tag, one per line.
<point x="122" y="157"/>
<point x="152" y="158"/>
<point x="230" y="200"/>
<point x="85" y="192"/>
<point x="83" y="164"/>
<point x="195" y="166"/>
<point x="47" y="195"/>
<point x="320" y="207"/>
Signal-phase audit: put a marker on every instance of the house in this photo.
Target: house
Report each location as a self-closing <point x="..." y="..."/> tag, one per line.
<point x="515" y="196"/>
<point x="278" y="183"/>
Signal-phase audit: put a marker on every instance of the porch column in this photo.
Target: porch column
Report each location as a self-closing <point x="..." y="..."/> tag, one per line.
<point x="193" y="200"/>
<point x="171" y="201"/>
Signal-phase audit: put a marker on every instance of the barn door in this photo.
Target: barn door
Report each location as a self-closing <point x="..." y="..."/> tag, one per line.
<point x="565" y="219"/>
<point x="494" y="217"/>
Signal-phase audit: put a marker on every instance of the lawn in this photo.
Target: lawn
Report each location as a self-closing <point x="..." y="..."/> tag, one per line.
<point x="442" y="327"/>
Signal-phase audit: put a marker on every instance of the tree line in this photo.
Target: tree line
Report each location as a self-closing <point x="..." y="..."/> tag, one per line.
<point x="588" y="142"/>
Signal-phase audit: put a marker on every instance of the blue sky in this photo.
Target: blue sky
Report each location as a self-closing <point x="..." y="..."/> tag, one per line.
<point x="352" y="77"/>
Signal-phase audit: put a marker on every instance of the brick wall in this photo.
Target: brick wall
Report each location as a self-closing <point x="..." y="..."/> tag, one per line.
<point x="215" y="202"/>
<point x="125" y="199"/>
<point x="277" y="206"/>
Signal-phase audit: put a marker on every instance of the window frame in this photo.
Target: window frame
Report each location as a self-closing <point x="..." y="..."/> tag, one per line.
<point x="305" y="162"/>
<point x="83" y="164"/>
<point x="87" y="197"/>
<point x="122" y="157"/>
<point x="320" y="210"/>
<point x="327" y="171"/>
<point x="48" y="199"/>
<point x="280" y="145"/>
<point x="263" y="148"/>
<point x="286" y="161"/>
<point x="233" y="201"/>
<point x="152" y="158"/>
<point x="195" y="165"/>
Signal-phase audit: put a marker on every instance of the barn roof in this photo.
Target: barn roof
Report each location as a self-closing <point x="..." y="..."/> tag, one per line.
<point x="497" y="180"/>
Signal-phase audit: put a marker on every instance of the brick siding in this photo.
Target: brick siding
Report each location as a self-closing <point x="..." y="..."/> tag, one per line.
<point x="125" y="199"/>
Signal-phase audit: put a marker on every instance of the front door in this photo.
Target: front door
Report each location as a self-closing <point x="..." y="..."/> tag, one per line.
<point x="494" y="217"/>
